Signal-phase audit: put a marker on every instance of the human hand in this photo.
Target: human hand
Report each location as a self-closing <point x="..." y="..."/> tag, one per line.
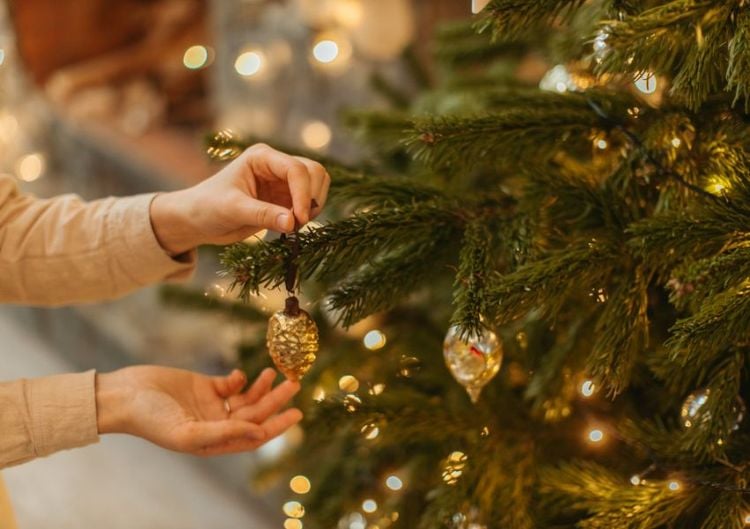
<point x="186" y="412"/>
<point x="255" y="191"/>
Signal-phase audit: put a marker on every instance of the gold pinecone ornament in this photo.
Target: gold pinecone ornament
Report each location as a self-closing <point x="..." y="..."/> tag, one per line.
<point x="292" y="340"/>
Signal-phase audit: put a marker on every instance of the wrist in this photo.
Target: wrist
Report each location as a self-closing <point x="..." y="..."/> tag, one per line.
<point x="171" y="222"/>
<point x="112" y="399"/>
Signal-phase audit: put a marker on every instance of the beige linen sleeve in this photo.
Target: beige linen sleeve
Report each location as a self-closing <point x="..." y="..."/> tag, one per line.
<point x="60" y="251"/>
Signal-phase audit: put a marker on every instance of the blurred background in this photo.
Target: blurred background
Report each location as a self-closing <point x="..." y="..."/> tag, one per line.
<point x="102" y="97"/>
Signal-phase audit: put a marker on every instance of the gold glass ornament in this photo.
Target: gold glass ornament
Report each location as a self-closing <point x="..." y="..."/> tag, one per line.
<point x="696" y="414"/>
<point x="473" y="361"/>
<point x="292" y="340"/>
<point x="223" y="146"/>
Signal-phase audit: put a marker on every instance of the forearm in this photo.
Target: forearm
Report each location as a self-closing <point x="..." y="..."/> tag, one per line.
<point x="64" y="250"/>
<point x="44" y="415"/>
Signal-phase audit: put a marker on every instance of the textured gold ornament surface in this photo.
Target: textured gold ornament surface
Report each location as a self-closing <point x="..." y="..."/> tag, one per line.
<point x="292" y="342"/>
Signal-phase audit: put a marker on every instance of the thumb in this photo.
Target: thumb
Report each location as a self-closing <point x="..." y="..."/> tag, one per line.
<point x="209" y="433"/>
<point x="266" y="215"/>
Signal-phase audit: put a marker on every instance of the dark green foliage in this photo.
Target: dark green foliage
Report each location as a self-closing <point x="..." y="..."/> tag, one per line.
<point x="602" y="236"/>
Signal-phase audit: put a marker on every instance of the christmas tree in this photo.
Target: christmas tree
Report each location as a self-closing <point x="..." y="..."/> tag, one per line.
<point x="571" y="200"/>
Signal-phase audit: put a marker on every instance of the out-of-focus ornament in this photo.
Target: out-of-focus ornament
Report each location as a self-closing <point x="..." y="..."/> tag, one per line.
<point x="473" y="361"/>
<point x="352" y="402"/>
<point x="386" y="28"/>
<point x="292" y="337"/>
<point x="695" y="413"/>
<point x="223" y="146"/>
<point x="558" y="79"/>
<point x="408" y="366"/>
<point x="601" y="48"/>
<point x="453" y="467"/>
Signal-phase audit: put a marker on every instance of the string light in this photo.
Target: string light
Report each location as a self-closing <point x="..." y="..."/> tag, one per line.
<point x="676" y="142"/>
<point x="374" y="340"/>
<point x="394" y="483"/>
<point x="326" y="51"/>
<point x="588" y="388"/>
<point x="294" y="509"/>
<point x="249" y="63"/>
<point x="601" y="144"/>
<point x="369" y="506"/>
<point x="318" y="394"/>
<point x="747" y="519"/>
<point x="292" y="523"/>
<point x="316" y="134"/>
<point x="635" y="479"/>
<point x="646" y="83"/>
<point x="348" y="383"/>
<point x="300" y="484"/>
<point x="195" y="57"/>
<point x="595" y="435"/>
<point x="674" y="485"/>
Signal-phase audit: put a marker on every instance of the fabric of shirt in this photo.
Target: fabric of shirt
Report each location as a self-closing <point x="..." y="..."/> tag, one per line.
<point x="62" y="251"/>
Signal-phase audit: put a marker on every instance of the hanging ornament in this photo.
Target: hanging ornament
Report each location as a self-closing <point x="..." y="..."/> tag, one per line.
<point x="292" y="337"/>
<point x="695" y="413"/>
<point x="223" y="146"/>
<point x="473" y="361"/>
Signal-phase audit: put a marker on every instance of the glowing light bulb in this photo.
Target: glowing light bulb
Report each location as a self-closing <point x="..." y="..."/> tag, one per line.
<point x="674" y="485"/>
<point x="646" y="83"/>
<point x="31" y="167"/>
<point x="676" y="142"/>
<point x="369" y="506"/>
<point x="635" y="480"/>
<point x="316" y="134"/>
<point x="300" y="484"/>
<point x="318" y="394"/>
<point x="596" y="435"/>
<point x="294" y="509"/>
<point x="195" y="57"/>
<point x="588" y="388"/>
<point x="747" y="519"/>
<point x="326" y="51"/>
<point x="374" y="340"/>
<point x="348" y="383"/>
<point x="394" y="483"/>
<point x="601" y="144"/>
<point x="249" y="63"/>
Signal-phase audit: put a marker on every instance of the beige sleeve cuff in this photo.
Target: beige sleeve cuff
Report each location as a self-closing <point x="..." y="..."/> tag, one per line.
<point x="45" y="415"/>
<point x="136" y="249"/>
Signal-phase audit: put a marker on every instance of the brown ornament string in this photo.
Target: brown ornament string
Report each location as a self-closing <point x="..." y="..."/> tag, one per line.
<point x="291" y="274"/>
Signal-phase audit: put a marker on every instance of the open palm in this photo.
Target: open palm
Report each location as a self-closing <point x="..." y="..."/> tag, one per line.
<point x="189" y="412"/>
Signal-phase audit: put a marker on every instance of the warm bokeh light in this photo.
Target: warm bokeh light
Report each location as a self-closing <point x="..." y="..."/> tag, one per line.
<point x="635" y="479"/>
<point x="348" y="383"/>
<point x="318" y="394"/>
<point x="374" y="340"/>
<point x="299" y="484"/>
<point x="215" y="290"/>
<point x="348" y="13"/>
<point x="595" y="435"/>
<point x="195" y="57"/>
<point x="294" y="509"/>
<point x="249" y="63"/>
<point x="369" y="506"/>
<point x="588" y="388"/>
<point x="31" y="167"/>
<point x="316" y="134"/>
<point x="601" y="144"/>
<point x="394" y="483"/>
<point x="674" y="485"/>
<point x="370" y="430"/>
<point x="747" y="519"/>
<point x="676" y="142"/>
<point x="326" y="51"/>
<point x="292" y="523"/>
<point x="646" y="83"/>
